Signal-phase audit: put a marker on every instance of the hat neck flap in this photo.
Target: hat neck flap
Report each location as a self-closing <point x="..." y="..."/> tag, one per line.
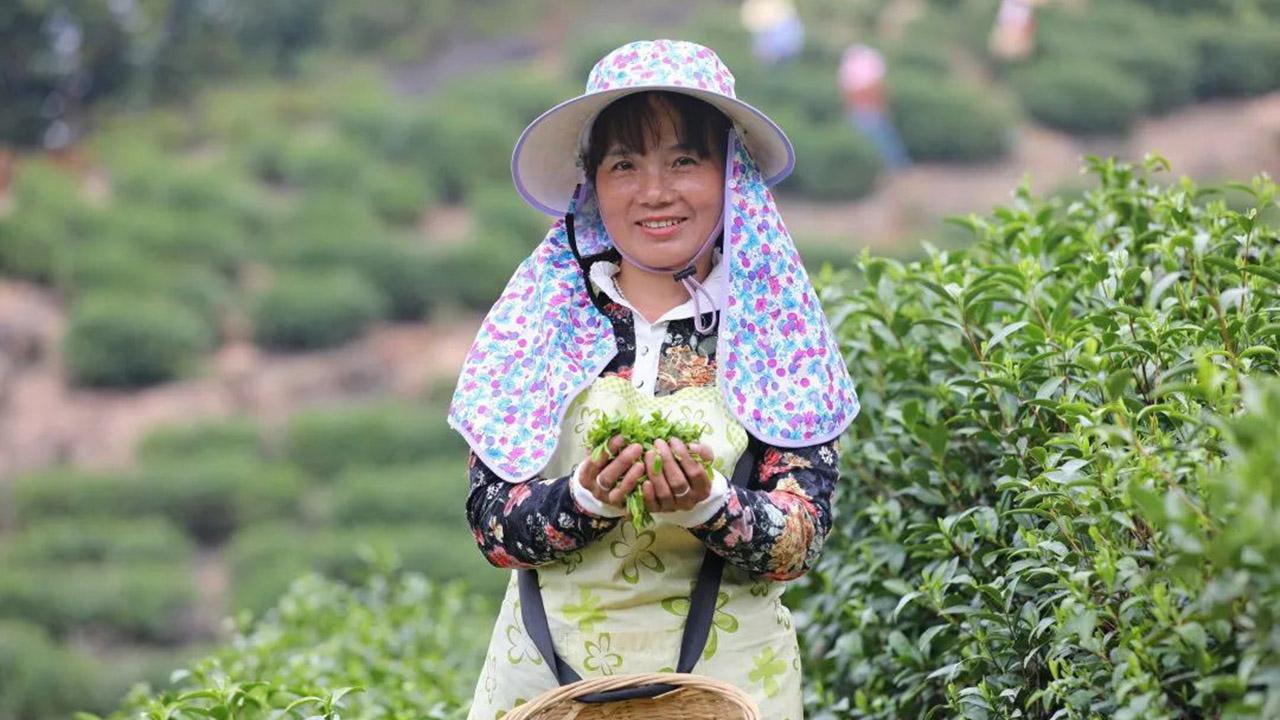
<point x="545" y="341"/>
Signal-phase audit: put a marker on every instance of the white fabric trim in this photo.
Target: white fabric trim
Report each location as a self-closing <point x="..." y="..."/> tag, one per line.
<point x="704" y="510"/>
<point x="589" y="502"/>
<point x="651" y="336"/>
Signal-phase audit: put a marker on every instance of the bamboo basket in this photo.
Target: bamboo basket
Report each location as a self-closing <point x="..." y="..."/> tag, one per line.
<point x="695" y="697"/>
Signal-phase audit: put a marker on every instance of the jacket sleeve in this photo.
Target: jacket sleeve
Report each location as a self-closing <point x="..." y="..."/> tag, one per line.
<point x="778" y="525"/>
<point x="522" y="525"/>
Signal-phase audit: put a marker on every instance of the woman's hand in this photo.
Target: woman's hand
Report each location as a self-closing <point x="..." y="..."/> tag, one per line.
<point x="680" y="481"/>
<point x="611" y="478"/>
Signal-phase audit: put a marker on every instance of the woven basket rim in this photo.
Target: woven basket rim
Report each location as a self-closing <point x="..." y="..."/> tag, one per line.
<point x="568" y="693"/>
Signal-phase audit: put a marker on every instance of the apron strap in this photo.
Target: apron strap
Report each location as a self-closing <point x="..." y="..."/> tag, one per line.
<point x="697" y="627"/>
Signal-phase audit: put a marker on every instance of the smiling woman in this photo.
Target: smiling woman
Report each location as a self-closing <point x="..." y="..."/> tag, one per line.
<point x="668" y="284"/>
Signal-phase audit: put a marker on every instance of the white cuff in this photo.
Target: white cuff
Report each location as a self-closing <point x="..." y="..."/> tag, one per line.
<point x="705" y="509"/>
<point x="589" y="502"/>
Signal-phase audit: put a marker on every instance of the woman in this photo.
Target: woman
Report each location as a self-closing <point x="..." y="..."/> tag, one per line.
<point x="668" y="284"/>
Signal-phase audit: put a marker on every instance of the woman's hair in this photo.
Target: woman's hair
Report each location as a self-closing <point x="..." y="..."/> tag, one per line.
<point x="634" y="122"/>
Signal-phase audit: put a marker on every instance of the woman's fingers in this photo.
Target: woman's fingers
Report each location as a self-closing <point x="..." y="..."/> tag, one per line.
<point x="659" y="463"/>
<point x="634" y="474"/>
<point x="608" y="478"/>
<point x="698" y="482"/>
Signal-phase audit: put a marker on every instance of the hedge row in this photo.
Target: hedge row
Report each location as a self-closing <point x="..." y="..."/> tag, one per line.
<point x="265" y="559"/>
<point x="1037" y="520"/>
<point x="208" y="498"/>
<point x="149" y="603"/>
<point x="412" y="647"/>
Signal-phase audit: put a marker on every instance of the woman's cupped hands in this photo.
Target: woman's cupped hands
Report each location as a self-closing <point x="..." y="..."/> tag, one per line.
<point x="676" y="478"/>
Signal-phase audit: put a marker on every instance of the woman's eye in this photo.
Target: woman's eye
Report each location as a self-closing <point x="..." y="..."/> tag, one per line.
<point x="622" y="165"/>
<point x="685" y="160"/>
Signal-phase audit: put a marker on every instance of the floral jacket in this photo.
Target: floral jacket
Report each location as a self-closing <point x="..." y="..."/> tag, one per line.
<point x="774" y="528"/>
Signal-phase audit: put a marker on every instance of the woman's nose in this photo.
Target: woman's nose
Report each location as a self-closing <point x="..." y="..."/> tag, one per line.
<point x="655" y="187"/>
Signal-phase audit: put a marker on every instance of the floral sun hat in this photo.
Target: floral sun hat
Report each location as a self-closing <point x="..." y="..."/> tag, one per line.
<point x="544" y="341"/>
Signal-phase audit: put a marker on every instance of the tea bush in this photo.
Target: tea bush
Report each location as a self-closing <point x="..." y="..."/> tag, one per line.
<point x="266" y="558"/>
<point x="1235" y="59"/>
<point x="39" y="679"/>
<point x="400" y="494"/>
<point x="138" y="602"/>
<point x="208" y="497"/>
<point x="1140" y="44"/>
<point x="833" y="162"/>
<point x="237" y="436"/>
<point x="413" y="648"/>
<point x="313" y="310"/>
<point x="86" y="540"/>
<point x="942" y="120"/>
<point x="122" y="341"/>
<point x="327" y="442"/>
<point x="473" y="274"/>
<point x="1089" y="97"/>
<point x="1036" y="467"/>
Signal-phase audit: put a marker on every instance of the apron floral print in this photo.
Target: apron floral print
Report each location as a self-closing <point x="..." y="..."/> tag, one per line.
<point x="622" y="607"/>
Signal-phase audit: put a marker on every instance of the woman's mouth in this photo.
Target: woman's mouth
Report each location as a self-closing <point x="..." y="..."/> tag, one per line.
<point x="661" y="227"/>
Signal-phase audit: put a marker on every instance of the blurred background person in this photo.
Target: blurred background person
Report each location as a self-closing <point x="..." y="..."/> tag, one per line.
<point x="777" y="33"/>
<point x="862" y="85"/>
<point x="1014" y="33"/>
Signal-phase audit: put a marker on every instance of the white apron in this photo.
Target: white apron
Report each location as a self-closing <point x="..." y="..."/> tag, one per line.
<point x="618" y="605"/>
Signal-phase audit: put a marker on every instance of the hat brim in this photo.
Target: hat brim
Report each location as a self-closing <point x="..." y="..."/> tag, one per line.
<point x="544" y="163"/>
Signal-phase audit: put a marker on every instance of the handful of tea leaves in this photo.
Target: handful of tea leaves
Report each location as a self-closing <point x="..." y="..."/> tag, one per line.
<point x="633" y="429"/>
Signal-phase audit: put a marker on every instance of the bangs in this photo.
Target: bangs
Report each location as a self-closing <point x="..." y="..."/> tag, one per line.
<point x="635" y="121"/>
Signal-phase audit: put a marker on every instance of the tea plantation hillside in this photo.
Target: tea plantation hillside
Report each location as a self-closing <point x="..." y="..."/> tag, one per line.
<point x="1060" y="499"/>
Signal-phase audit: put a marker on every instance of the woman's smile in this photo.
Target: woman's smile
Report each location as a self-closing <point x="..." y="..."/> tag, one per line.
<point x="661" y="228"/>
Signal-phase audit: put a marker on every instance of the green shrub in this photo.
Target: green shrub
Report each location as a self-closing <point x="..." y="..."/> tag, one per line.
<point x="833" y="162"/>
<point x="1147" y="47"/>
<point x="146" y="603"/>
<point x="121" y="270"/>
<point x="237" y="437"/>
<point x="322" y="160"/>
<point x="266" y="559"/>
<point x="208" y="497"/>
<point x="326" y="442"/>
<point x="464" y="148"/>
<point x="38" y="679"/>
<point x="1085" y="98"/>
<point x="417" y="493"/>
<point x="162" y="233"/>
<point x="114" y="340"/>
<point x="310" y="310"/>
<point x="473" y="274"/>
<point x="325" y="228"/>
<point x="47" y="222"/>
<point x="502" y="216"/>
<point x="942" y="121"/>
<point x="1040" y="431"/>
<point x="407" y="278"/>
<point x="1236" y="60"/>
<point x="398" y="196"/>
<point x="87" y="540"/>
<point x="414" y="648"/>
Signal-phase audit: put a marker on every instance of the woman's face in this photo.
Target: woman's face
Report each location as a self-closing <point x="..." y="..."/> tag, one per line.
<point x="660" y="206"/>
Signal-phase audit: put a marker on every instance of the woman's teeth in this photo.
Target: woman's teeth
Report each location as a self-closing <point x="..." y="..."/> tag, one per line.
<point x="661" y="223"/>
